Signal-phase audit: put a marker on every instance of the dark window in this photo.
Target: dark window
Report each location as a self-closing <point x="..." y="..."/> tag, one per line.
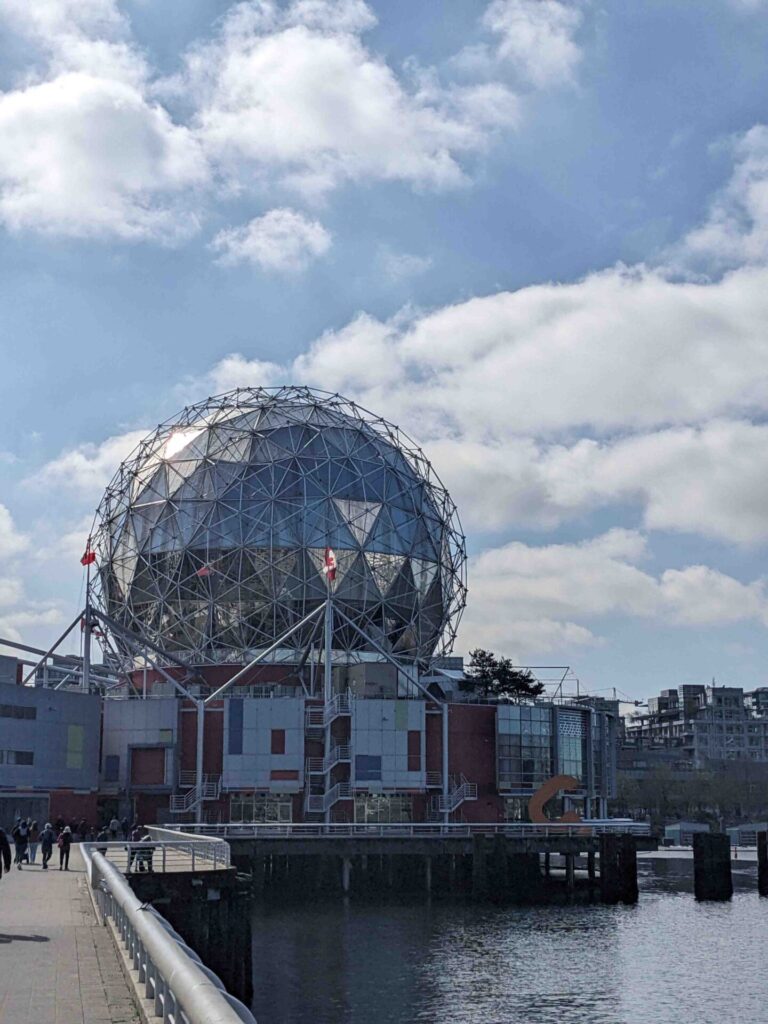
<point x="414" y="750"/>
<point x="235" y="745"/>
<point x="19" y="757"/>
<point x="111" y="768"/>
<point x="17" y="711"/>
<point x="278" y="741"/>
<point x="367" y="768"/>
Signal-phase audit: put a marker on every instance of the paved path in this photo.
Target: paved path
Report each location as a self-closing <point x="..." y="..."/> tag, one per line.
<point x="57" y="965"/>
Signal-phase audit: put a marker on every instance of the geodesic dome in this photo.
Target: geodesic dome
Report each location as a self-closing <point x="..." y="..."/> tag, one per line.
<point x="211" y="537"/>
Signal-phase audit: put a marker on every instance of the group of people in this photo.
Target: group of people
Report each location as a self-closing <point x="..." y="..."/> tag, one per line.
<point x="27" y="836"/>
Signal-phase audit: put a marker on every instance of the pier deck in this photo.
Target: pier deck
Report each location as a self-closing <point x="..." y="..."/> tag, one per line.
<point x="57" y="964"/>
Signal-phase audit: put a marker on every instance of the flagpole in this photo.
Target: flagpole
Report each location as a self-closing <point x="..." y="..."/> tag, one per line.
<point x="86" y="682"/>
<point x="328" y="660"/>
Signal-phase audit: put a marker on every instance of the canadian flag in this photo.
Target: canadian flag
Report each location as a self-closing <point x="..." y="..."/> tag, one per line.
<point x="204" y="570"/>
<point x="89" y="557"/>
<point x="330" y="565"/>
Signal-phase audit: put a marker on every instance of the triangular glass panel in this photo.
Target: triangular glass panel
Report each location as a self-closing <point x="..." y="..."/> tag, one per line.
<point x="360" y="517"/>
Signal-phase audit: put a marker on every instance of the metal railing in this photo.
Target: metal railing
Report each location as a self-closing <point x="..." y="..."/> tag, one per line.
<point x="303" y="830"/>
<point x="319" y="717"/>
<point x="160" y="855"/>
<point x="462" y="790"/>
<point x="336" y="756"/>
<point x="434" y="780"/>
<point x="181" y="988"/>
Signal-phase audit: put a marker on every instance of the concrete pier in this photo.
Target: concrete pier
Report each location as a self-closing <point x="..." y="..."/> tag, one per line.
<point x="492" y="867"/>
<point x="712" y="866"/>
<point x="212" y="913"/>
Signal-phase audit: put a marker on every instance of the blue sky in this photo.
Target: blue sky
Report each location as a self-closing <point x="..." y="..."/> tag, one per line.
<point x="533" y="233"/>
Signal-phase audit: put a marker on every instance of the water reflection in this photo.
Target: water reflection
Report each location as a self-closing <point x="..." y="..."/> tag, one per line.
<point x="666" y="960"/>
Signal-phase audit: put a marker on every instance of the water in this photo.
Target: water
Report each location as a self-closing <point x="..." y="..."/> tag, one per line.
<point x="665" y="961"/>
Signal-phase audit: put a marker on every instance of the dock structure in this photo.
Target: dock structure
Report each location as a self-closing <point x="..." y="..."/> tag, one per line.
<point x="57" y="964"/>
<point x="520" y="862"/>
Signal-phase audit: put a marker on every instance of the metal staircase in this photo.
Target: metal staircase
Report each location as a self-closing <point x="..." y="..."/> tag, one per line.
<point x="319" y="795"/>
<point x="461" y="789"/>
<point x="182" y="803"/>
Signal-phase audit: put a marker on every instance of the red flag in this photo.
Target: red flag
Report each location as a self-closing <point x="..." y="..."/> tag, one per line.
<point x="204" y="570"/>
<point x="330" y="565"/>
<point x="89" y="557"/>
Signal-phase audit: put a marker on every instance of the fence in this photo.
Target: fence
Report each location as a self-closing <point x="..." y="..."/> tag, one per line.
<point x="161" y="854"/>
<point x="437" y="830"/>
<point x="181" y="988"/>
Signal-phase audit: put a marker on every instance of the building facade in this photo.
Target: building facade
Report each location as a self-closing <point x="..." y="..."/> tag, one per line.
<point x="49" y="753"/>
<point x="701" y="724"/>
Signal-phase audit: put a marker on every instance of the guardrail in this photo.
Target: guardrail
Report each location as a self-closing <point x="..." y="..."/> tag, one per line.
<point x="167" y="850"/>
<point x="304" y="830"/>
<point x="181" y="988"/>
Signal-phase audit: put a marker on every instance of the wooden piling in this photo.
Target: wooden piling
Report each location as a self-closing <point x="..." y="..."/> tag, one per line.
<point x="762" y="863"/>
<point x="712" y="866"/>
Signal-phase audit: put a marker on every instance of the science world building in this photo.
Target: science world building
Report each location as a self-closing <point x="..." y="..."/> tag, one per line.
<point x="276" y="578"/>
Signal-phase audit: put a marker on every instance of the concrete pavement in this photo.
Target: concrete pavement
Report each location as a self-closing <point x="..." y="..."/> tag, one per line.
<point x="57" y="964"/>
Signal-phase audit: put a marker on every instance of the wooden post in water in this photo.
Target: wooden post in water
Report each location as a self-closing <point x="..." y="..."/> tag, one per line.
<point x="762" y="863"/>
<point x="712" y="866"/>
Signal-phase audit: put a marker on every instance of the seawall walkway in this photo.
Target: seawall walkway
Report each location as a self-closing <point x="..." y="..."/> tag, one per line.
<point x="57" y="964"/>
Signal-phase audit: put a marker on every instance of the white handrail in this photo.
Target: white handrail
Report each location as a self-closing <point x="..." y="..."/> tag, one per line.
<point x="182" y="989"/>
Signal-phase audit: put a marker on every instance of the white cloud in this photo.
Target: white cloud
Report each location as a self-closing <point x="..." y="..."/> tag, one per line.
<point x="89" y="468"/>
<point x="736" y="229"/>
<point x="529" y="600"/>
<point x="537" y="38"/>
<point x="86" y="156"/>
<point x="280" y="240"/>
<point x="92" y="36"/>
<point x="400" y="265"/>
<point x="294" y="93"/>
<point x="12" y="542"/>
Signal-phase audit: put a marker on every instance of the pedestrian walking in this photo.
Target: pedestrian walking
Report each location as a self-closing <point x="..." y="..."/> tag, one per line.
<point x="5" y="853"/>
<point x="34" y="838"/>
<point x="64" y="843"/>
<point x="47" y="837"/>
<point x="114" y="829"/>
<point x="20" y="835"/>
<point x="126" y="826"/>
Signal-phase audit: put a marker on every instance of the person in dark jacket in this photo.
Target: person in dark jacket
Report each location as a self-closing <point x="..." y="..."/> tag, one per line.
<point x="20" y="835"/>
<point x="47" y="839"/>
<point x="64" y="843"/>
<point x="5" y="853"/>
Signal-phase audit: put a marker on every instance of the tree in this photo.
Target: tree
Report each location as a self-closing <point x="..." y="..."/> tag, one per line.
<point x="497" y="677"/>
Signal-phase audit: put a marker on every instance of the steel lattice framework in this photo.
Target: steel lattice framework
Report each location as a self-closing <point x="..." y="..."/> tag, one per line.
<point x="210" y="538"/>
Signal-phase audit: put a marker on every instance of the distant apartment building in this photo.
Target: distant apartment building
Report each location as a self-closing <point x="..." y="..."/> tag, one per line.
<point x="696" y="725"/>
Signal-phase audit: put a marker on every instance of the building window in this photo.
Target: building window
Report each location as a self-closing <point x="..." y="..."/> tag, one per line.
<point x="17" y="757"/>
<point x="368" y="768"/>
<point x="414" y="750"/>
<point x="383" y="809"/>
<point x="278" y="741"/>
<point x="111" y="768"/>
<point x="260" y="807"/>
<point x="17" y="711"/>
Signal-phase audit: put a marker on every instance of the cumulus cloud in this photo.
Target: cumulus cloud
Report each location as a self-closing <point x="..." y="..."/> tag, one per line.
<point x="624" y="388"/>
<point x="736" y="229"/>
<point x="85" y="156"/>
<point x="294" y="92"/>
<point x="567" y="588"/>
<point x="281" y="240"/>
<point x="87" y="469"/>
<point x="537" y="38"/>
<point x="12" y="541"/>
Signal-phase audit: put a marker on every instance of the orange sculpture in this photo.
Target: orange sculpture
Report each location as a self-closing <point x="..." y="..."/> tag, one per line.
<point x="545" y="792"/>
